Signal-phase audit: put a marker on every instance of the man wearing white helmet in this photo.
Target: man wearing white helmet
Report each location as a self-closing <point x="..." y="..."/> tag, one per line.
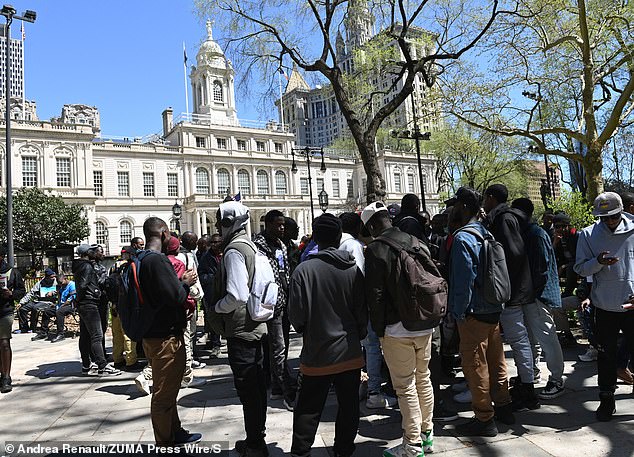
<point x="605" y="251"/>
<point x="231" y="319"/>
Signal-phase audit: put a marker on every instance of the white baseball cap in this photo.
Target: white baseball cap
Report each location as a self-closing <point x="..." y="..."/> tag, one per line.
<point x="371" y="210"/>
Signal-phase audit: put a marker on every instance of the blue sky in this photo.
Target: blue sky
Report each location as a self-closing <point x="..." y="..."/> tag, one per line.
<point x="126" y="58"/>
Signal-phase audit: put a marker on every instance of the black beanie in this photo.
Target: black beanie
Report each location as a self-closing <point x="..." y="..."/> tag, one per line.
<point x="326" y="229"/>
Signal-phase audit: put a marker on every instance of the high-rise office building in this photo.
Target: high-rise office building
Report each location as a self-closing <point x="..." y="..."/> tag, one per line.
<point x="17" y="65"/>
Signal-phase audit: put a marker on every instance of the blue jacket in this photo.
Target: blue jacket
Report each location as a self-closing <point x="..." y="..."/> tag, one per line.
<point x="464" y="298"/>
<point x="543" y="264"/>
<point x="66" y="293"/>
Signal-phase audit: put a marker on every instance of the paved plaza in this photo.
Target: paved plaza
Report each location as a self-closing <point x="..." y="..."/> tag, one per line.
<point x="52" y="401"/>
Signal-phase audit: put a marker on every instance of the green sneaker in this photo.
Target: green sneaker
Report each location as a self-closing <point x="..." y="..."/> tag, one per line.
<point x="428" y="441"/>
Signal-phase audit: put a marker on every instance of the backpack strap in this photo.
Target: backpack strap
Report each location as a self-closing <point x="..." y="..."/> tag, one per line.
<point x="476" y="233"/>
<point x="391" y="243"/>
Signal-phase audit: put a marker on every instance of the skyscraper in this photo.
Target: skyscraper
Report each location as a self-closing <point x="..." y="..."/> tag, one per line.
<point x="17" y="65"/>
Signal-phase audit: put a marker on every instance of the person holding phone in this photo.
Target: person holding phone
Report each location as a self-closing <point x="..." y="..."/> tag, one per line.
<point x="605" y="252"/>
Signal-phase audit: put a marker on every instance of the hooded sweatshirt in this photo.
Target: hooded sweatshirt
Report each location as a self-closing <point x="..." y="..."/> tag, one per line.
<point x="611" y="284"/>
<point x="327" y="305"/>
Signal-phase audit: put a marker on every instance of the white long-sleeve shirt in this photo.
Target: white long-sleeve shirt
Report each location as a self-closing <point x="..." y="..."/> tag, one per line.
<point x="237" y="282"/>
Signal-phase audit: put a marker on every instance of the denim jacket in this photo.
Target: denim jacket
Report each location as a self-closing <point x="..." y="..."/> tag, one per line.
<point x="464" y="298"/>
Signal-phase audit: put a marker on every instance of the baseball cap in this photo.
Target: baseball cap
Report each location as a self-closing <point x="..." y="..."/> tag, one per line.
<point x="561" y="218"/>
<point x="371" y="210"/>
<point x="82" y="249"/>
<point x="607" y="204"/>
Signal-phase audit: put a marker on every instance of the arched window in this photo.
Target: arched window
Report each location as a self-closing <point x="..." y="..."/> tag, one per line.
<point x="101" y="233"/>
<point x="224" y="183"/>
<point x="218" y="96"/>
<point x="424" y="183"/>
<point x="280" y="183"/>
<point x="244" y="182"/>
<point x="263" y="182"/>
<point x="125" y="232"/>
<point x="202" y="181"/>
<point x="397" y="181"/>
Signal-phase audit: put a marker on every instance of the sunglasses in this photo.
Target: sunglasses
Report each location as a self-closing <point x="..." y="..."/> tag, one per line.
<point x="613" y="217"/>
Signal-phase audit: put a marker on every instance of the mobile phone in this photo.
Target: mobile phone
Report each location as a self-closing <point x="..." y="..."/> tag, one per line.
<point x="610" y="257"/>
<point x="627" y="306"/>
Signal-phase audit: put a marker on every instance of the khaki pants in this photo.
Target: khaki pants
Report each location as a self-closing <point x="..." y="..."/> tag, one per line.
<point x="484" y="366"/>
<point x="408" y="361"/>
<point x="121" y="344"/>
<point x="167" y="357"/>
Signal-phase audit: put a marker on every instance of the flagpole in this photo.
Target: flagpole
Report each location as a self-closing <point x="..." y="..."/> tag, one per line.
<point x="23" y="77"/>
<point x="279" y="79"/>
<point x="185" y="74"/>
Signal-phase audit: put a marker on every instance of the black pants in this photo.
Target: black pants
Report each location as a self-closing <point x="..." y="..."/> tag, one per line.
<point x="104" y="310"/>
<point x="90" y="336"/>
<point x="311" y="398"/>
<point x="27" y="314"/>
<point x="607" y="326"/>
<point x="59" y="314"/>
<point x="278" y="338"/>
<point x="245" y="359"/>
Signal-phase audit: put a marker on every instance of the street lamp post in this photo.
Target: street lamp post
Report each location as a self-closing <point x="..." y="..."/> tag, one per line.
<point x="323" y="200"/>
<point x="177" y="211"/>
<point x="417" y="136"/>
<point x="8" y="12"/>
<point x="308" y="152"/>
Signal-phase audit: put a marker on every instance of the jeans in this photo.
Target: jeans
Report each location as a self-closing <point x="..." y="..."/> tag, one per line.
<point x="484" y="366"/>
<point x="586" y="318"/>
<point x="560" y="315"/>
<point x="245" y="359"/>
<point x="516" y="335"/>
<point x="311" y="398"/>
<point x="373" y="361"/>
<point x="104" y="310"/>
<point x="27" y="314"/>
<point x="188" y="337"/>
<point x="408" y="361"/>
<point x="541" y="329"/>
<point x="91" y="336"/>
<point x="278" y="353"/>
<point x="623" y="354"/>
<point x="60" y="315"/>
<point x="607" y="328"/>
<point x="167" y="357"/>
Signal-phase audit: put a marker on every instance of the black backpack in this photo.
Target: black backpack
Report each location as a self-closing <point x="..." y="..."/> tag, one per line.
<point x="421" y="291"/>
<point x="493" y="277"/>
<point x="136" y="316"/>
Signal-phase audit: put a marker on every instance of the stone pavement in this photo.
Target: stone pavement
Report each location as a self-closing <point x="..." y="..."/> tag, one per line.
<point x="52" y="401"/>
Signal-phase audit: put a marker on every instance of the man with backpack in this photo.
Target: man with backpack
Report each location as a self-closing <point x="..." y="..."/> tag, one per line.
<point x="406" y="345"/>
<point x="507" y="224"/>
<point x="538" y="315"/>
<point x="327" y="306"/>
<point x="478" y="316"/>
<point x="163" y="320"/>
<point x="231" y="319"/>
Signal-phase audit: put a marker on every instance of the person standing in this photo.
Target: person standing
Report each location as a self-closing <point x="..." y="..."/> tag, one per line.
<point x="207" y="269"/>
<point x="327" y="306"/>
<point x="137" y="243"/>
<point x="163" y="342"/>
<point x="97" y="256"/>
<point x="407" y="353"/>
<point x="88" y="293"/>
<point x="481" y="348"/>
<point x="604" y="251"/>
<point x="11" y="289"/>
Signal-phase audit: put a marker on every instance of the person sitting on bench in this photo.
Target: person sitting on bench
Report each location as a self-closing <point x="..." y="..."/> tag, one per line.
<point x="64" y="307"/>
<point x="43" y="293"/>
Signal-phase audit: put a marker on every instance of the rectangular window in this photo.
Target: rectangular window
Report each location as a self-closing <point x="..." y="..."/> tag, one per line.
<point x="222" y="143"/>
<point x="172" y="185"/>
<point x="148" y="184"/>
<point x="278" y="148"/>
<point x="123" y="183"/>
<point x="410" y="183"/>
<point x="63" y="172"/>
<point x="350" y="189"/>
<point x="242" y="145"/>
<point x="320" y="184"/>
<point x="97" y="179"/>
<point x="200" y="141"/>
<point x="425" y="183"/>
<point x="29" y="171"/>
<point x="397" y="182"/>
<point x="335" y="188"/>
<point x="303" y="186"/>
<point x="260" y="146"/>
<point x="263" y="183"/>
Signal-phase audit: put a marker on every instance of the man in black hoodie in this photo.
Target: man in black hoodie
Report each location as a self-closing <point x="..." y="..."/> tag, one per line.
<point x="11" y="289"/>
<point x="507" y="226"/>
<point x="327" y="305"/>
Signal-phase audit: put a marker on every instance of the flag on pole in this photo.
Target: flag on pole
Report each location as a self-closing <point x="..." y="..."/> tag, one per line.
<point x="184" y="54"/>
<point x="185" y="78"/>
<point x="282" y="73"/>
<point x="22" y="30"/>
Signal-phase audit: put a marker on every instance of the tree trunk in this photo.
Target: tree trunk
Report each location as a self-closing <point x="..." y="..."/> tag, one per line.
<point x="375" y="187"/>
<point x="593" y="165"/>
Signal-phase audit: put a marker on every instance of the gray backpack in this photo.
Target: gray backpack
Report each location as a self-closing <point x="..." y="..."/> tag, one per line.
<point x="493" y="279"/>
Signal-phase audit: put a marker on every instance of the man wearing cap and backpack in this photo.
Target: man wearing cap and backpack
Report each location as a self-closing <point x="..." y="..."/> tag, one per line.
<point x="406" y="344"/>
<point x="605" y="252"/>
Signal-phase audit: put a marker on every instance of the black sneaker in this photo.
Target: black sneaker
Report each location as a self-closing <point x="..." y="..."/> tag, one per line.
<point x="184" y="437"/>
<point x="477" y="428"/>
<point x="242" y="449"/>
<point x="607" y="407"/>
<point x="108" y="370"/>
<point x="442" y="414"/>
<point x="57" y="338"/>
<point x="289" y="403"/>
<point x="524" y="398"/>
<point x="504" y="414"/>
<point x="39" y="336"/>
<point x="5" y="385"/>
<point x="90" y="370"/>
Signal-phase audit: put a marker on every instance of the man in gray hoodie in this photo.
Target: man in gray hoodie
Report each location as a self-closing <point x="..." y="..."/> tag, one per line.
<point x="327" y="305"/>
<point x="605" y="251"/>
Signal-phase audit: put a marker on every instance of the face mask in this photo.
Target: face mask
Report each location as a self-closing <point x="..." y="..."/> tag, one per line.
<point x="47" y="282"/>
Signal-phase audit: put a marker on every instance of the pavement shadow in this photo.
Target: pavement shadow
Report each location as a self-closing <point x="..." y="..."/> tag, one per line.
<point x="57" y="369"/>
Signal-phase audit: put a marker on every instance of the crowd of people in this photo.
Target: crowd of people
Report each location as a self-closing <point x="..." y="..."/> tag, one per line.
<point x="489" y="274"/>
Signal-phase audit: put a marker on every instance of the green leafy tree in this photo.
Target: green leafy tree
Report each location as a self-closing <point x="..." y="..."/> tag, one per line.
<point x="42" y="221"/>
<point x="574" y="205"/>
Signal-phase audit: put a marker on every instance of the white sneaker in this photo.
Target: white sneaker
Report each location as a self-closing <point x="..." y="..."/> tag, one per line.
<point x="590" y="356"/>
<point x="460" y="387"/>
<point x="404" y="450"/>
<point x="196" y="364"/>
<point x="463" y="397"/>
<point x="108" y="370"/>
<point x="427" y="438"/>
<point x="143" y="384"/>
<point x="380" y="401"/>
